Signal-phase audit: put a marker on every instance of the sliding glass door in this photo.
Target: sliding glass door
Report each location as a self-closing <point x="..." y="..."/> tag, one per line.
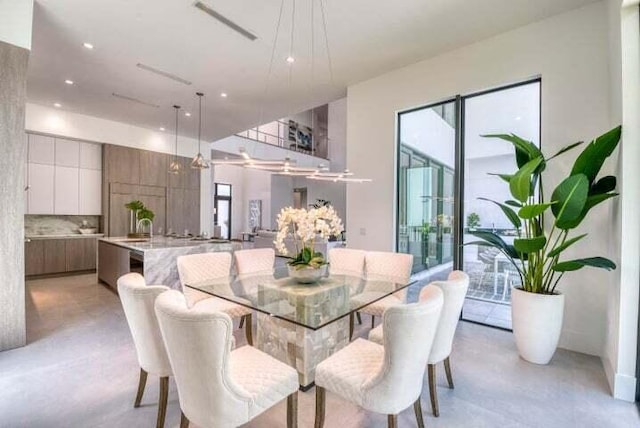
<point x="444" y="167"/>
<point x="425" y="193"/>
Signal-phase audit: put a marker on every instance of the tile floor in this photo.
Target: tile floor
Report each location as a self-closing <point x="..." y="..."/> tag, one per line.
<point x="79" y="370"/>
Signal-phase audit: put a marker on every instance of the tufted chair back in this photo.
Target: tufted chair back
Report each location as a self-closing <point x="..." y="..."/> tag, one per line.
<point x="394" y="267"/>
<point x="454" y="291"/>
<point x="409" y="331"/>
<point x="346" y="261"/>
<point x="255" y="261"/>
<point x="198" y="342"/>
<point x="202" y="267"/>
<point x="137" y="301"/>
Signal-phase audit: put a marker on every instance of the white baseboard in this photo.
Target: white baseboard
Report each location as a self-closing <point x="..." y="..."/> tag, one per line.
<point x="623" y="387"/>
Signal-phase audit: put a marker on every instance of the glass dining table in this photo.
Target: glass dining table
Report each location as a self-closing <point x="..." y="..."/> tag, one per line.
<point x="301" y="324"/>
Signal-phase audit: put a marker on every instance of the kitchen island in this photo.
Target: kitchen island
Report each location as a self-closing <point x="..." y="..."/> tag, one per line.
<point x="154" y="258"/>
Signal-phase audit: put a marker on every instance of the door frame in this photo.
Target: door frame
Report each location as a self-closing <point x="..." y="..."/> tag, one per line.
<point x="216" y="199"/>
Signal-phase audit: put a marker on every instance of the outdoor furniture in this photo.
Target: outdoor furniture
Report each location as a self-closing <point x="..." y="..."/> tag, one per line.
<point x="218" y="386"/>
<point x="385" y="378"/>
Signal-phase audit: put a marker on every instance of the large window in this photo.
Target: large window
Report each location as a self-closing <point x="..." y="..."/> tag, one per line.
<point x="443" y="174"/>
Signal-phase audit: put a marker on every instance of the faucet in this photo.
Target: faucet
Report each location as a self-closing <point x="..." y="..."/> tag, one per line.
<point x="145" y="220"/>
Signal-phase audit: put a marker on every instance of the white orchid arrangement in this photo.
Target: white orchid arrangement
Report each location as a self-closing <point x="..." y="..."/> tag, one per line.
<point x="305" y="226"/>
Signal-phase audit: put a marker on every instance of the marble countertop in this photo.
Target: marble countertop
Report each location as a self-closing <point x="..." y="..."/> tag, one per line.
<point x="64" y="236"/>
<point x="160" y="243"/>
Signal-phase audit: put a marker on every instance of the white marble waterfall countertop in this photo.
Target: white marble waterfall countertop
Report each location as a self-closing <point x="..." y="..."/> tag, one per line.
<point x="164" y="243"/>
<point x="34" y="237"/>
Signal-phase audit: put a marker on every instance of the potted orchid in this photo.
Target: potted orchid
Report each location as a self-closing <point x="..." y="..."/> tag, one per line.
<point x="304" y="227"/>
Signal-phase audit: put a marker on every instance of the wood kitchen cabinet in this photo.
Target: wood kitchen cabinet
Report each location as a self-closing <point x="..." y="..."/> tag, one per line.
<point x="51" y="256"/>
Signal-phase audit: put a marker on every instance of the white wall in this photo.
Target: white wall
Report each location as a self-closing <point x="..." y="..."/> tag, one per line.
<point x="16" y="20"/>
<point x="281" y="197"/>
<point x="570" y="52"/>
<point x="337" y="133"/>
<point x="622" y="306"/>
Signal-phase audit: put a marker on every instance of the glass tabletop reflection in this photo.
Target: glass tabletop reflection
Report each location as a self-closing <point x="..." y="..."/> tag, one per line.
<point x="309" y="305"/>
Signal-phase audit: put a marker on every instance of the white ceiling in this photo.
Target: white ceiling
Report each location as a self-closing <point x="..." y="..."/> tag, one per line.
<point x="366" y="38"/>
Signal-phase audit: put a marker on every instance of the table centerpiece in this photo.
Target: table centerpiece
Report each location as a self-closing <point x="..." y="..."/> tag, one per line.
<point x="304" y="226"/>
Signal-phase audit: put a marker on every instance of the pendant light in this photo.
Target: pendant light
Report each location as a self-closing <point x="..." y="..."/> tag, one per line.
<point x="198" y="161"/>
<point x="176" y="167"/>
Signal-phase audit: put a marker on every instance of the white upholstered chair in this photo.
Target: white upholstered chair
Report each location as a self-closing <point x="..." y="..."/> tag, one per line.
<point x="393" y="267"/>
<point x="454" y="290"/>
<point x="218" y="387"/>
<point x="255" y="261"/>
<point x="347" y="261"/>
<point x="384" y="378"/>
<point x="137" y="301"/>
<point x="195" y="268"/>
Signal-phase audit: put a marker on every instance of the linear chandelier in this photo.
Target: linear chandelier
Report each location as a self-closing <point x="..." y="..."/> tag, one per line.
<point x="287" y="167"/>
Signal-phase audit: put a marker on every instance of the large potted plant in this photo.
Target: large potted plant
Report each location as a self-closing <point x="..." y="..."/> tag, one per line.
<point x="545" y="229"/>
<point x="304" y="227"/>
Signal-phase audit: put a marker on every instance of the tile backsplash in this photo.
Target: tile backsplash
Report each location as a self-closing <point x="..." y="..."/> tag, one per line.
<point x="57" y="224"/>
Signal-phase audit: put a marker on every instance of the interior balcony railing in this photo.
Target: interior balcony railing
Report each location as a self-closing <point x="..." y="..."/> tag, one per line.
<point x="278" y="134"/>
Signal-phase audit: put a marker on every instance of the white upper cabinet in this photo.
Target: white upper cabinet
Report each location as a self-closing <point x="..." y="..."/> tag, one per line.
<point x="40" y="193"/>
<point x="41" y="149"/>
<point x="90" y="156"/>
<point x="90" y="193"/>
<point x="67" y="153"/>
<point x="66" y="190"/>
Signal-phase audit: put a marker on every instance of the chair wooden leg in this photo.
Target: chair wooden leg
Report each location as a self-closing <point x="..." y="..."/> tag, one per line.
<point x="292" y="410"/>
<point x="184" y="422"/>
<point x="142" y="382"/>
<point x="447" y="370"/>
<point x="417" y="408"/>
<point x="351" y="322"/>
<point x="432" y="390"/>
<point x="373" y="321"/>
<point x="359" y="318"/>
<point x="247" y="330"/>
<point x="392" y="421"/>
<point x="320" y="403"/>
<point x="241" y="321"/>
<point x="162" y="401"/>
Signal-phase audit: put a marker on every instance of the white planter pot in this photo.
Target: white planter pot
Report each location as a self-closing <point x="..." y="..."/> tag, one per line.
<point x="537" y="323"/>
<point x="307" y="275"/>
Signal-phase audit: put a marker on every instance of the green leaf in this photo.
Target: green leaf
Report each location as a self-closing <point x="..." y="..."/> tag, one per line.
<point x="565" y="149"/>
<point x="592" y="201"/>
<point x="604" y="185"/>
<point x="496" y="242"/>
<point x="557" y="250"/>
<point x="511" y="214"/>
<point x="513" y="203"/>
<point x="570" y="197"/>
<point x="504" y="177"/>
<point x="529" y="245"/>
<point x="520" y="185"/>
<point x="530" y="211"/>
<point x="593" y="156"/>
<point x="526" y="151"/>
<point x="571" y="265"/>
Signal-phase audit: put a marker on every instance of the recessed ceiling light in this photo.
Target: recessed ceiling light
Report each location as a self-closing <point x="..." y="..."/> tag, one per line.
<point x="291" y="59"/>
<point x="223" y="95"/>
<point x="187" y="114"/>
<point x="87" y="45"/>
<point x="68" y="82"/>
<point x="161" y="128"/>
<point x="57" y="105"/>
<point x="518" y="118"/>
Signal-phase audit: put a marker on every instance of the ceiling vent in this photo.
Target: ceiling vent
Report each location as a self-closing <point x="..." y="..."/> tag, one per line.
<point x="224" y="20"/>
<point x="135" y="100"/>
<point x="163" y="74"/>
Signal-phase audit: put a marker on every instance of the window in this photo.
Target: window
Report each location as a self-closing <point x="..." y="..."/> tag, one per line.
<point x="443" y="166"/>
<point x="222" y="209"/>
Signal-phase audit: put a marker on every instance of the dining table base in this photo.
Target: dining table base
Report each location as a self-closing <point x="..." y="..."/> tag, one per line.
<point x="300" y="347"/>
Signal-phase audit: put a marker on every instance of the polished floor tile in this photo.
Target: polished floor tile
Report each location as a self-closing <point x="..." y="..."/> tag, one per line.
<point x="79" y="370"/>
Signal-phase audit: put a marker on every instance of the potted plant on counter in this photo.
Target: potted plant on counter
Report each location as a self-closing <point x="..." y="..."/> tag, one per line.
<point x="304" y="227"/>
<point x="541" y="240"/>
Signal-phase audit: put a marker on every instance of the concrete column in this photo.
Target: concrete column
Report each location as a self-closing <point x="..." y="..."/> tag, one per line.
<point x="15" y="43"/>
